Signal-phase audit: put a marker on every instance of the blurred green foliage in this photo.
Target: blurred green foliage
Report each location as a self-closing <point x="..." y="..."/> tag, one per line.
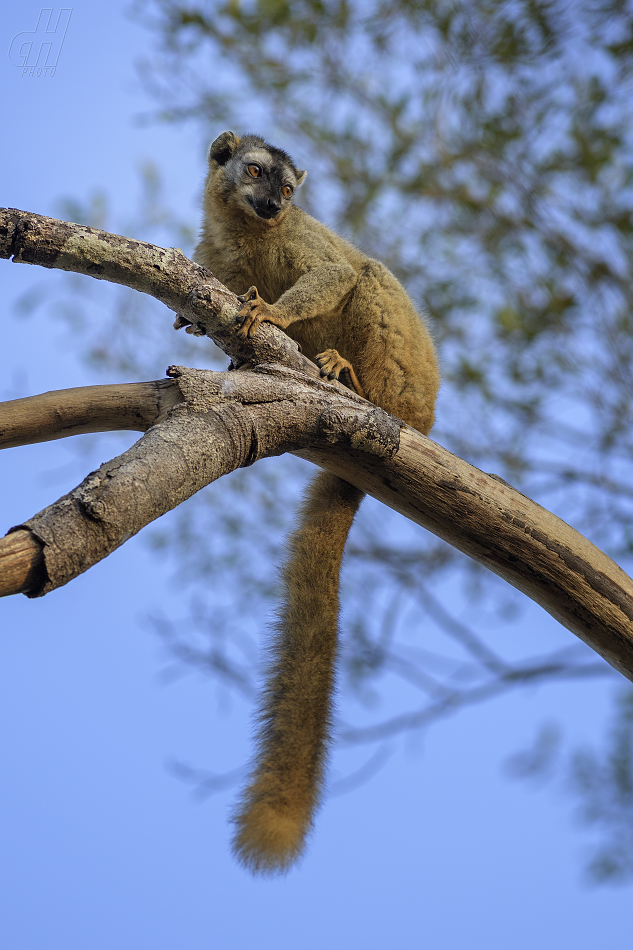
<point x="483" y="150"/>
<point x="602" y="783"/>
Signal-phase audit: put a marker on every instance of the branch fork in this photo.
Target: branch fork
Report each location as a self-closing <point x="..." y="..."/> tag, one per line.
<point x="198" y="425"/>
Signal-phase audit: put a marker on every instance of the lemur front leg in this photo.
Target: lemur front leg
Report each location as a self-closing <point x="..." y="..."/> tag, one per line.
<point x="320" y="290"/>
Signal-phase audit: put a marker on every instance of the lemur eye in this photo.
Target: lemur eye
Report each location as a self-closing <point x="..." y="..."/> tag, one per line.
<point x="286" y="191"/>
<point x="254" y="171"/>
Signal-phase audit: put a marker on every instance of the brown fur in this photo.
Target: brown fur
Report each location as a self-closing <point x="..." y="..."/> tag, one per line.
<point x="350" y="315"/>
<point x="277" y="808"/>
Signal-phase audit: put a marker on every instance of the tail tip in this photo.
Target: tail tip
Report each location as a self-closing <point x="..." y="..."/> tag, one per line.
<point x="268" y="841"/>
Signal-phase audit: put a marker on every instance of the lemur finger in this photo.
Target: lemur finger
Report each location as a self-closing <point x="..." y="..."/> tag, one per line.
<point x="250" y="325"/>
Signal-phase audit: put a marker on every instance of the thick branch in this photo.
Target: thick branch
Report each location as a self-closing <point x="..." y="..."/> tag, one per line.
<point x="233" y="419"/>
<point x="487" y="519"/>
<point x="225" y="420"/>
<point x="55" y="415"/>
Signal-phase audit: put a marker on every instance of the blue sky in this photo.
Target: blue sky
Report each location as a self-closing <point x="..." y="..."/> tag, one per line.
<point x="100" y="846"/>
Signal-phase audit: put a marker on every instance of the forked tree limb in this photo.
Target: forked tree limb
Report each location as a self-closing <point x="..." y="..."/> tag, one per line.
<point x="228" y="420"/>
<point x="223" y="421"/>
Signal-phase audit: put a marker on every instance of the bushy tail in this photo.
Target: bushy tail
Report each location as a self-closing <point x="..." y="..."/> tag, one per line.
<point x="276" y="810"/>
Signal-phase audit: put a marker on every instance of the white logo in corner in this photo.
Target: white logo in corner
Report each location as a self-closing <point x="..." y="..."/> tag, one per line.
<point x="36" y="52"/>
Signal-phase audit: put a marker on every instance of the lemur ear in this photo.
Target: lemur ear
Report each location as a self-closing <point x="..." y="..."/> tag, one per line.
<point x="301" y="176"/>
<point x="223" y="148"/>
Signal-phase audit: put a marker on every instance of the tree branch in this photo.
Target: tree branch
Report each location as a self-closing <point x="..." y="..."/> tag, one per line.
<point x="223" y="421"/>
<point x="457" y="699"/>
<point x="228" y="420"/>
<point x="55" y="415"/>
<point x="203" y="304"/>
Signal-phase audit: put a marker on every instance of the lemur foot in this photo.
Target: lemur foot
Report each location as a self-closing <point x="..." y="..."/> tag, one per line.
<point x="333" y="366"/>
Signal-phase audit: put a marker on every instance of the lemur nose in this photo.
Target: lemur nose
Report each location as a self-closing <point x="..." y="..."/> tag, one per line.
<point x="274" y="206"/>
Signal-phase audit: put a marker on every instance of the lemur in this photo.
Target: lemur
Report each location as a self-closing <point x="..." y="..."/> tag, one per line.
<point x="353" y="318"/>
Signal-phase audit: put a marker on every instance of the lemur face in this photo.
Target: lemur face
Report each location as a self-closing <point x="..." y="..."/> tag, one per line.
<point x="258" y="177"/>
<point x="266" y="184"/>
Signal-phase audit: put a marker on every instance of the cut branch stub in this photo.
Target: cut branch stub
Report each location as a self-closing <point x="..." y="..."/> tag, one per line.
<point x="21" y="563"/>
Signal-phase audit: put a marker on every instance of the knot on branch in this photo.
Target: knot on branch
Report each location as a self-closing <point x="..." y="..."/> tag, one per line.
<point x="370" y="430"/>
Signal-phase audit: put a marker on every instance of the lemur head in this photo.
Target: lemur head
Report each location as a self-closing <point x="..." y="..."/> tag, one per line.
<point x="251" y="175"/>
